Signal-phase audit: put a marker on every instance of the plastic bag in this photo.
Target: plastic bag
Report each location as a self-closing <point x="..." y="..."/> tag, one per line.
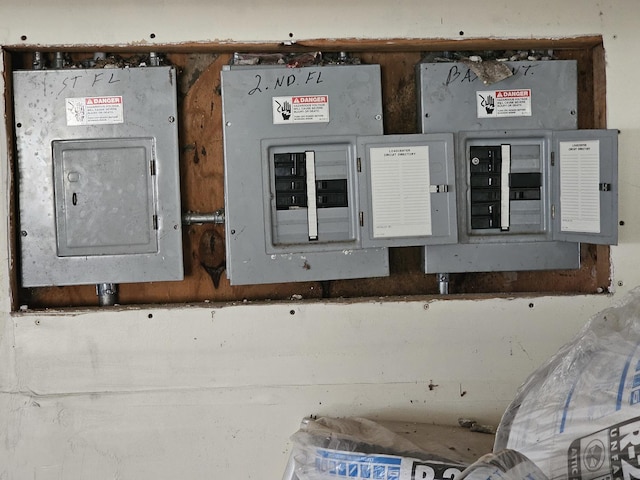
<point x="357" y="448"/>
<point x="504" y="465"/>
<point x="578" y="416"/>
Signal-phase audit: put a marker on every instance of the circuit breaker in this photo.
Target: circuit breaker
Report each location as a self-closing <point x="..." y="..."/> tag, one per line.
<point x="98" y="182"/>
<point x="313" y="189"/>
<point x="530" y="186"/>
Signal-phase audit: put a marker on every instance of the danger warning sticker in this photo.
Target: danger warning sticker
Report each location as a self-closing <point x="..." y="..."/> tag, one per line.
<point x="504" y="103"/>
<point x="94" y="110"/>
<point x="300" y="109"/>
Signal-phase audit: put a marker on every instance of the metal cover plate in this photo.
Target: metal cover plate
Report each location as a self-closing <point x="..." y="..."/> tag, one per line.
<point x="133" y="103"/>
<point x="104" y="195"/>
<point x="450" y="97"/>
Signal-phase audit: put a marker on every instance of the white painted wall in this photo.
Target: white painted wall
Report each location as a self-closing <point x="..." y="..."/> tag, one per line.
<point x="214" y="392"/>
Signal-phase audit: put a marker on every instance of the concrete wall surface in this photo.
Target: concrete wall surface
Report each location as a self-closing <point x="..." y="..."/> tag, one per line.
<point x="215" y="391"/>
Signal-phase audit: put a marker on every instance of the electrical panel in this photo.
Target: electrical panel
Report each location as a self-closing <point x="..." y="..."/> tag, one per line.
<point x="313" y="189"/>
<point x="274" y="230"/>
<point x="530" y="186"/>
<point x="526" y="196"/>
<point x="98" y="181"/>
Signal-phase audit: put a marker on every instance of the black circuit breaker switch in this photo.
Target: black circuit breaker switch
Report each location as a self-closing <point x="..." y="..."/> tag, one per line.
<point x="292" y="187"/>
<point x="489" y="170"/>
<point x="525" y="186"/>
<point x="290" y="180"/>
<point x="296" y="186"/>
<point x="485" y="166"/>
<point x="332" y="193"/>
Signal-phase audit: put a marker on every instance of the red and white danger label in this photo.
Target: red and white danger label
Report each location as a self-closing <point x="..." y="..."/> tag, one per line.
<point x="504" y="103"/>
<point x="94" y="110"/>
<point x="513" y="93"/>
<point x="103" y="100"/>
<point x="300" y="109"/>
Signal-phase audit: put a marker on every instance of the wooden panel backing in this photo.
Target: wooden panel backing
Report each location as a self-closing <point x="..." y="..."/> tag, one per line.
<point x="202" y="184"/>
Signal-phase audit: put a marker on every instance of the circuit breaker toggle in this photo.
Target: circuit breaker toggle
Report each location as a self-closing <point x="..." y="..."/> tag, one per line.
<point x="485" y="167"/>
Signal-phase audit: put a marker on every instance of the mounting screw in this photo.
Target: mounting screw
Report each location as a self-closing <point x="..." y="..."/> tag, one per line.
<point x="426" y="306"/>
<point x="233" y="232"/>
<point x="621" y="223"/>
<point x="378" y="117"/>
<point x="24" y="233"/>
<point x="572" y="112"/>
<point x="37" y="322"/>
<point x="172" y="119"/>
<point x="153" y="35"/>
<point x="19" y="125"/>
<point x="531" y="305"/>
<point x="620" y="283"/>
<point x="228" y="124"/>
<point x="23" y="38"/>
<point x="292" y="312"/>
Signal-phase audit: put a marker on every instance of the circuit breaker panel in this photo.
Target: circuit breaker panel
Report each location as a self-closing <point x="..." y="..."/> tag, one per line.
<point x="313" y="189"/>
<point x="290" y="201"/>
<point x="99" y="195"/>
<point x="520" y="163"/>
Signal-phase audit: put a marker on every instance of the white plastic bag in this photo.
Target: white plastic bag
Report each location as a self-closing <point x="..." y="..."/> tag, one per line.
<point x="357" y="448"/>
<point x="578" y="416"/>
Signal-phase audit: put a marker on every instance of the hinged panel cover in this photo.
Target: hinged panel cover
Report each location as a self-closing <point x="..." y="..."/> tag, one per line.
<point x="585" y="186"/>
<point x="407" y="190"/>
<point x="105" y="197"/>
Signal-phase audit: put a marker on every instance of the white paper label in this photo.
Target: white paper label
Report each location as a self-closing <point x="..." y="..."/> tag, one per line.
<point x="504" y="103"/>
<point x="94" y="110"/>
<point x="300" y="109"/>
<point x="579" y="186"/>
<point x="401" y="201"/>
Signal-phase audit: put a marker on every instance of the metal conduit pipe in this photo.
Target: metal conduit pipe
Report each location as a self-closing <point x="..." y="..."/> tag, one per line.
<point x="107" y="294"/>
<point x="191" y="218"/>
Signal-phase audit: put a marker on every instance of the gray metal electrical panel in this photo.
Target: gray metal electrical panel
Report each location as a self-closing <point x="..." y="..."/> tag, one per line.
<point x="526" y="197"/>
<point x="511" y="138"/>
<point x="313" y="189"/>
<point x="98" y="180"/>
<point x="275" y="231"/>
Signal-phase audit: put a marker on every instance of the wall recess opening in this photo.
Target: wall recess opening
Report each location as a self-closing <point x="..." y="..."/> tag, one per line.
<point x="201" y="173"/>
